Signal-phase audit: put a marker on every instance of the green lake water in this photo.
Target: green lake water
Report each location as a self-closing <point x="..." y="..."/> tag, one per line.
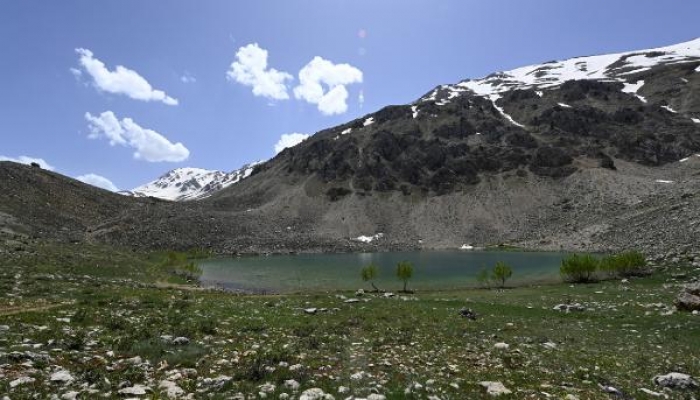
<point x="318" y="272"/>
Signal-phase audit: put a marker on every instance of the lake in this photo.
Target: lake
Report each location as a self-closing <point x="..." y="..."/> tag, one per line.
<point x="319" y="272"/>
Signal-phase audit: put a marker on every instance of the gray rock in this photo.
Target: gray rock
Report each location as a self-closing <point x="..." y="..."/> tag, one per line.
<point x="676" y="380"/>
<point x="569" y="307"/>
<point x="468" y="313"/>
<point x="181" y="341"/>
<point x="689" y="298"/>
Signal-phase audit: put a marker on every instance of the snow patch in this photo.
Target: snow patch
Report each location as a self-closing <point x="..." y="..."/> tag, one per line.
<point x="633" y="88"/>
<point x="369" y="121"/>
<point x="369" y="239"/>
<point x="495" y="97"/>
<point x="663" y="181"/>
<point x="564" y="105"/>
<point x="414" y="110"/>
<point x="696" y="120"/>
<point x="346" y="131"/>
<point x="669" y="109"/>
<point x="467" y="247"/>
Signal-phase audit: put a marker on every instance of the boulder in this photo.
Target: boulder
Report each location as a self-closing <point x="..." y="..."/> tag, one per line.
<point x="676" y="380"/>
<point x="689" y="298"/>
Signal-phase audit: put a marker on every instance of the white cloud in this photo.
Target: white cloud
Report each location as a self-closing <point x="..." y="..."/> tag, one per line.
<point x="250" y="69"/>
<point x="188" y="78"/>
<point x="323" y="83"/>
<point x="149" y="144"/>
<point x="98" y="181"/>
<point x="289" y="140"/>
<point x="28" y="160"/>
<point x="120" y="81"/>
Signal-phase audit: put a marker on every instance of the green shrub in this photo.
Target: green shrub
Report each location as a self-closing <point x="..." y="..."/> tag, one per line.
<point x="404" y="271"/>
<point x="369" y="273"/>
<point x="629" y="263"/>
<point x="501" y="272"/>
<point x="579" y="268"/>
<point x="484" y="278"/>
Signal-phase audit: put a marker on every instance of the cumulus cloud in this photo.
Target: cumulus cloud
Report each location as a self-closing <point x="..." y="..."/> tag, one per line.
<point x="28" y="160"/>
<point x="149" y="144"/>
<point x="289" y="140"/>
<point x="250" y="69"/>
<point x="323" y="83"/>
<point x="98" y="181"/>
<point x="120" y="81"/>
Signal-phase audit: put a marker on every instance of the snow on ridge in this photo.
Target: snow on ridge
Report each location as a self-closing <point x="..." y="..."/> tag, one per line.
<point x="414" y="110"/>
<point x="609" y="67"/>
<point x="191" y="183"/>
<point x="369" y="121"/>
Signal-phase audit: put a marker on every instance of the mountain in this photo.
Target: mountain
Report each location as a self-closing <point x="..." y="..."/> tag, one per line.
<point x="183" y="184"/>
<point x="591" y="153"/>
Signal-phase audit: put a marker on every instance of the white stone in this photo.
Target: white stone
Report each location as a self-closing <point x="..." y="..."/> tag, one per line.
<point x="315" y="394"/>
<point x="136" y="390"/>
<point x="501" y="346"/>
<point x="375" y="396"/>
<point x="61" y="376"/>
<point x="171" y="389"/>
<point x="72" y="395"/>
<point x="267" y="387"/>
<point x="494" y="388"/>
<point x="291" y="384"/>
<point x="21" y="381"/>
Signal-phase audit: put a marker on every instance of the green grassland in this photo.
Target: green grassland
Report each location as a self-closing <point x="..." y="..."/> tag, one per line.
<point x="107" y="317"/>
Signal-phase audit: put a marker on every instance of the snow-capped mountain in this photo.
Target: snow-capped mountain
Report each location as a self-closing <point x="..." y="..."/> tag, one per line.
<point x="183" y="184"/>
<point x="608" y="67"/>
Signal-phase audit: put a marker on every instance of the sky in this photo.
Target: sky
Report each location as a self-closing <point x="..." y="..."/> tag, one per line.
<point x="116" y="93"/>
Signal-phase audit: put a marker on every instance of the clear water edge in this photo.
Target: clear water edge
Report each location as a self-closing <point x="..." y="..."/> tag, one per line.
<point x="433" y="270"/>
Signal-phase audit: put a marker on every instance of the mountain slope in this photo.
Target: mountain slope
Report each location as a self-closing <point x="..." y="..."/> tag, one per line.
<point x="523" y="157"/>
<point x="183" y="184"/>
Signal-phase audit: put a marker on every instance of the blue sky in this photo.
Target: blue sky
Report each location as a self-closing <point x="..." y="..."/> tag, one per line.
<point x="177" y="101"/>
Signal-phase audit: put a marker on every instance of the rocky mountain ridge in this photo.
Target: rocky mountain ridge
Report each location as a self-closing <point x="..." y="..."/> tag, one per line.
<point x="189" y="183"/>
<point x="537" y="160"/>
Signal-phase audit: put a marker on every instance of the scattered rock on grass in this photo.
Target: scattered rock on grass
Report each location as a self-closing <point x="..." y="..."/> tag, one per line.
<point x="494" y="388"/>
<point x="676" y="380"/>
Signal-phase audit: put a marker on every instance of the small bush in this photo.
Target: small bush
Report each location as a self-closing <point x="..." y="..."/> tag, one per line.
<point x="629" y="263"/>
<point x="579" y="268"/>
<point x="501" y="272"/>
<point x="404" y="271"/>
<point x="369" y="273"/>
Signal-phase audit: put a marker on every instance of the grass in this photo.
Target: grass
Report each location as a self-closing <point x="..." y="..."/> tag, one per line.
<point x="104" y="317"/>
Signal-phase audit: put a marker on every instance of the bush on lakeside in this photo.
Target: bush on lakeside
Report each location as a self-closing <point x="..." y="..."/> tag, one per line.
<point x="625" y="265"/>
<point x="579" y="268"/>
